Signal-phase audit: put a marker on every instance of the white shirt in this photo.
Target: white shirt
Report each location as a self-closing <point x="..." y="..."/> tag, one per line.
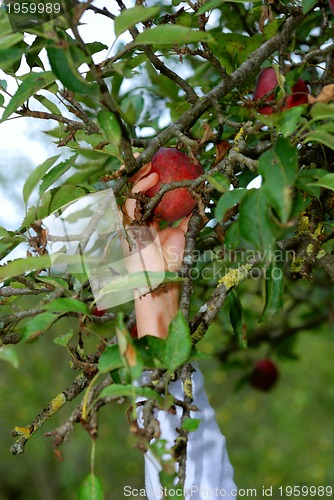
<point x="209" y="473"/>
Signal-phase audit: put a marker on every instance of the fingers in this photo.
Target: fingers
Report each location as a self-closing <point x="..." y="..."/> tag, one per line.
<point x="184" y="224"/>
<point x="143" y="185"/>
<point x="144" y="170"/>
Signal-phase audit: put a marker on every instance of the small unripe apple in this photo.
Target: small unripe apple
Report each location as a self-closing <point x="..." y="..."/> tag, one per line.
<point x="267" y="81"/>
<point x="264" y="375"/>
<point x="172" y="165"/>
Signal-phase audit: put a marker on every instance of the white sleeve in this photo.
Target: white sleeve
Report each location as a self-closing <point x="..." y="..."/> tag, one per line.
<point x="209" y="472"/>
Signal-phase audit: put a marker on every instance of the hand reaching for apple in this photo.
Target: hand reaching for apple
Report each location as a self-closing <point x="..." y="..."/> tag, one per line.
<point x="154" y="311"/>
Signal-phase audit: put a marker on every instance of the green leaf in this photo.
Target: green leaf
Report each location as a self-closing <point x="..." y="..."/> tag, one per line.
<point x="178" y="343"/>
<point x="135" y="15"/>
<point x="67" y="304"/>
<point x="2" y="101"/>
<point x="132" y="107"/>
<point x="8" y="57"/>
<point x="213" y="4"/>
<point x="227" y="201"/>
<point x="5" y="27"/>
<point x="38" y="325"/>
<point x="279" y="168"/>
<point x="236" y="316"/>
<point x="219" y="181"/>
<point x="52" y="201"/>
<point x="9" y="354"/>
<point x="10" y="40"/>
<point x="326" y="181"/>
<point x="65" y="70"/>
<point x="49" y="105"/>
<point x="307" y="180"/>
<point x="63" y="196"/>
<point x="320" y="136"/>
<point x="4" y="233"/>
<point x="95" y="47"/>
<point x="56" y="172"/>
<point x="290" y="119"/>
<point x="54" y="280"/>
<point x="3" y="85"/>
<point x="21" y="266"/>
<point x="91" y="488"/>
<point x="93" y="139"/>
<point x="36" y="176"/>
<point x="137" y="280"/>
<point x="171" y="34"/>
<point x="307" y="5"/>
<point x="110" y="359"/>
<point x="110" y="126"/>
<point x="254" y="220"/>
<point x="190" y="424"/>
<point x="132" y="391"/>
<point x="274" y="289"/>
<point x="322" y="111"/>
<point x="63" y="340"/>
<point x="30" y="85"/>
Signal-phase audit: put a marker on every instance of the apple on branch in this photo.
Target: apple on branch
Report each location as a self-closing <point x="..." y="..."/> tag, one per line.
<point x="172" y="165"/>
<point x="267" y="81"/>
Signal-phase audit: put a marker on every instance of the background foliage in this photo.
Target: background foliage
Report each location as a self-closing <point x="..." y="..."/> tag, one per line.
<point x="178" y="74"/>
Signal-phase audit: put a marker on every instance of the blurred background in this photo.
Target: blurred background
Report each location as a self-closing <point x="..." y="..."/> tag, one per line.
<point x="280" y="437"/>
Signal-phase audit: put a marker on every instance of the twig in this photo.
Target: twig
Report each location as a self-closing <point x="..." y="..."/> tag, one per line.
<point x="69" y="394"/>
<point x="210" y="309"/>
<point x="180" y="446"/>
<point x="194" y="227"/>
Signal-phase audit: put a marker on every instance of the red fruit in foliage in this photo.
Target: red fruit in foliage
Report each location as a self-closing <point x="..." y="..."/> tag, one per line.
<point x="264" y="375"/>
<point x="331" y="5"/>
<point x="299" y="95"/>
<point x="134" y="332"/>
<point x="267" y="81"/>
<point x="98" y="312"/>
<point x="172" y="165"/>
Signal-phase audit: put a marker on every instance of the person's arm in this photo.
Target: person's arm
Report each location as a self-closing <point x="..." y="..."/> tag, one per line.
<point x="207" y="464"/>
<point x="155" y="311"/>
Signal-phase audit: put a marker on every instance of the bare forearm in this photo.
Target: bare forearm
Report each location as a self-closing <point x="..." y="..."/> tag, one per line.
<point x="155" y="311"/>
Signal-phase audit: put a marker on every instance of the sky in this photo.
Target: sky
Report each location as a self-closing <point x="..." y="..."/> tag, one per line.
<point x="23" y="143"/>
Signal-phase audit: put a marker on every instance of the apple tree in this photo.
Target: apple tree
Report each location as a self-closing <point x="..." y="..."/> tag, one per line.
<point x="259" y="258"/>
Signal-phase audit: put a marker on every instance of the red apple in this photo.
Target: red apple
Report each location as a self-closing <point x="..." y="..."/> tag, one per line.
<point x="267" y="80"/>
<point x="264" y="375"/>
<point x="172" y="165"/>
<point x="98" y="312"/>
<point x="331" y="5"/>
<point x="134" y="331"/>
<point x="299" y="95"/>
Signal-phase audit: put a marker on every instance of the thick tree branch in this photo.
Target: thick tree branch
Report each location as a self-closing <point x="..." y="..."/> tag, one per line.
<point x="245" y="71"/>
